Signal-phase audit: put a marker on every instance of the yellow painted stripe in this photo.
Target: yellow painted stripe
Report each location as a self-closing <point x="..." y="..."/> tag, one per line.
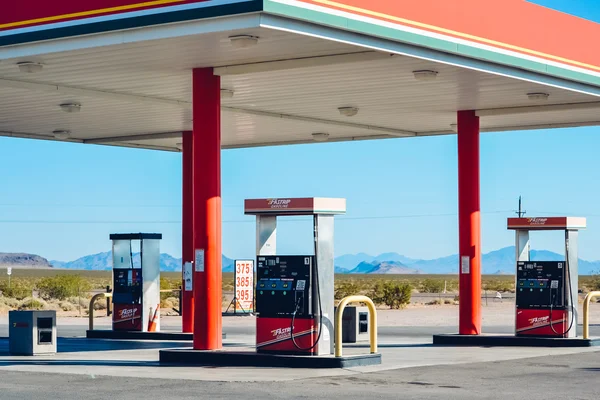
<point x="89" y="13"/>
<point x="454" y="33"/>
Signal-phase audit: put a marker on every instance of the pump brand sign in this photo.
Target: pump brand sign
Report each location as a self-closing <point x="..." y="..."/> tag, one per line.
<point x="275" y="205"/>
<point x="541" y="223"/>
<point x="127" y="317"/>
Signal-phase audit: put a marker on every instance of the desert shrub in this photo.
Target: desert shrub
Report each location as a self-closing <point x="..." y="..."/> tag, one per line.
<point x="167" y="303"/>
<point x="79" y="301"/>
<point x="448" y="301"/>
<point x="9" y="303"/>
<point x="63" y="286"/>
<point x="593" y="283"/>
<point x="435" y="302"/>
<point x="345" y="289"/>
<point x="30" y="303"/>
<point x="99" y="304"/>
<point x="19" y="288"/>
<point x="393" y="295"/>
<point x="431" y="286"/>
<point x="168" y="284"/>
<point x="66" y="306"/>
<point x="497" y="285"/>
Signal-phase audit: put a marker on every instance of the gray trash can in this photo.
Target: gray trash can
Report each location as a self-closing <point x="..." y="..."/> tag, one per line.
<point x="355" y="324"/>
<point x="32" y="332"/>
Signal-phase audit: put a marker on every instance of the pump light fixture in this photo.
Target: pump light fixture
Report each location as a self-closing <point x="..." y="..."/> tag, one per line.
<point x="61" y="134"/>
<point x="538" y="96"/>
<point x="243" y="41"/>
<point x="226" y="93"/>
<point x="348" y="111"/>
<point x="425" y="75"/>
<point x="70" y="107"/>
<point x="30" y="67"/>
<point x="320" y="136"/>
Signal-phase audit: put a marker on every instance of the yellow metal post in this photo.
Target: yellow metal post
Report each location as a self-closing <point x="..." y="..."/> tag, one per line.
<point x="586" y="313"/>
<point x="91" y="309"/>
<point x="372" y="321"/>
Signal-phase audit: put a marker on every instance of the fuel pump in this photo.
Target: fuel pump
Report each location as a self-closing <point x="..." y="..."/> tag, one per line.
<point x="294" y="293"/>
<point x="136" y="284"/>
<point x="546" y="291"/>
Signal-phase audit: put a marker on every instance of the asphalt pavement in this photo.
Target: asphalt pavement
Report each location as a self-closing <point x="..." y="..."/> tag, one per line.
<point x="565" y="377"/>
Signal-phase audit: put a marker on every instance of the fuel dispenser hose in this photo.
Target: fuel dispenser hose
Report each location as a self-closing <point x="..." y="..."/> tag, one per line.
<point x="320" y="317"/>
<point x="320" y="310"/>
<point x="570" y="305"/>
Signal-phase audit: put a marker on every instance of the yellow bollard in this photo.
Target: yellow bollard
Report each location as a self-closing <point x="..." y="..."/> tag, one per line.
<point x="372" y="321"/>
<point x="586" y="313"/>
<point x="91" y="309"/>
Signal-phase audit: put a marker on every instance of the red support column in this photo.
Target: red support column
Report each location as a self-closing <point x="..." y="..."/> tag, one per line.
<point x="187" y="232"/>
<point x="206" y="111"/>
<point x="469" y="225"/>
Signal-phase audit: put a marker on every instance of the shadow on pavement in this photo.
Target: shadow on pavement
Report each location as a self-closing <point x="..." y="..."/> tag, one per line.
<point x="388" y="345"/>
<point x="74" y="345"/>
<point x="96" y="363"/>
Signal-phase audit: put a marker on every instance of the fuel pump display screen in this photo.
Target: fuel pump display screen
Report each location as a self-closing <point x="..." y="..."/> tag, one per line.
<point x="127" y="286"/>
<point x="540" y="284"/>
<point x="283" y="286"/>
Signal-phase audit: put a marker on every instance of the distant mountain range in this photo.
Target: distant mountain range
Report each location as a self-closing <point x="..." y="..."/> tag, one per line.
<point x="24" y="260"/>
<point x="496" y="262"/>
<point x="500" y="261"/>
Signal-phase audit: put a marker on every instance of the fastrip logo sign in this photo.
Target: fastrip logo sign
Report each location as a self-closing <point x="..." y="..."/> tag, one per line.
<point x="282" y="333"/>
<point x="127" y="314"/>
<point x="537" y="221"/>
<point x="279" y="203"/>
<point x="536" y="321"/>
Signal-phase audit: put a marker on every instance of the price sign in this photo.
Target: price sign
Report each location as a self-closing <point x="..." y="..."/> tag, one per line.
<point x="244" y="286"/>
<point x="9" y="271"/>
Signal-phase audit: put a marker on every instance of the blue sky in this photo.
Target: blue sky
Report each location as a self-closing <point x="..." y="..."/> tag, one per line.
<point x="62" y="200"/>
<point x="589" y="9"/>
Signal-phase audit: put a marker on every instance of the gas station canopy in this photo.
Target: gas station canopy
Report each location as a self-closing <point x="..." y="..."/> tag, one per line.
<point x="118" y="72"/>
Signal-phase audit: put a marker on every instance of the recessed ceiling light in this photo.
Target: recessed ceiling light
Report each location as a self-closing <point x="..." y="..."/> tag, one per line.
<point x="70" y="107"/>
<point x="538" y="96"/>
<point x="179" y="146"/>
<point x="320" y="136"/>
<point x="425" y="75"/>
<point x="226" y="93"/>
<point x="454" y="127"/>
<point x="348" y="111"/>
<point x="30" y="67"/>
<point x="243" y="41"/>
<point x="61" y="134"/>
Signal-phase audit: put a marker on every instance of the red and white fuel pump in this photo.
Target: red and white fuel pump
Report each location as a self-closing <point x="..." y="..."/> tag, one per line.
<point x="136" y="282"/>
<point x="294" y="294"/>
<point x="546" y="291"/>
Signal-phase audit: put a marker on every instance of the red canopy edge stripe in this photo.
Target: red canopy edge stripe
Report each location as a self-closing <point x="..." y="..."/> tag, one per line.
<point x="82" y="13"/>
<point x="532" y="28"/>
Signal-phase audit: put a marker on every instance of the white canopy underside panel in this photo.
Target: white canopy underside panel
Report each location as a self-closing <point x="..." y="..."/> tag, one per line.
<point x="144" y="88"/>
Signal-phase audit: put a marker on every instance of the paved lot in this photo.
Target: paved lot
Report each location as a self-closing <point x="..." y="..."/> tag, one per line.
<point x="550" y="377"/>
<point x="412" y="368"/>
